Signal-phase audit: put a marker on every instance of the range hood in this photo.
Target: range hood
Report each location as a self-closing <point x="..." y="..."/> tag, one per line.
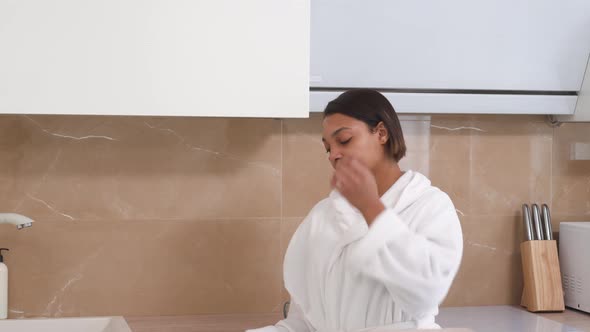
<point x="453" y="56"/>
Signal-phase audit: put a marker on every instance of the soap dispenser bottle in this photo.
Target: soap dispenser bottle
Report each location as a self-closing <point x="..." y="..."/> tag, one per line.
<point x="3" y="287"/>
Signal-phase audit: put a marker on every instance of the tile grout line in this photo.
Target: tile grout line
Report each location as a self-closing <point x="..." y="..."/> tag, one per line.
<point x="282" y="223"/>
<point x="282" y="170"/>
<point x="551" y="171"/>
<point x="470" y="196"/>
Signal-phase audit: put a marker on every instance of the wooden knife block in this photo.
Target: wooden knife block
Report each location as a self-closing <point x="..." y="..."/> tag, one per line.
<point x="543" y="290"/>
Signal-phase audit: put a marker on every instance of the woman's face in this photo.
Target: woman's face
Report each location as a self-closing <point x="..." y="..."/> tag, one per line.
<point x="344" y="136"/>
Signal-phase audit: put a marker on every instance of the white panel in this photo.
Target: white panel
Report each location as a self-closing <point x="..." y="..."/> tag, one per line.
<point x="156" y="57"/>
<point x="433" y="103"/>
<point x="451" y="44"/>
<point x="574" y="243"/>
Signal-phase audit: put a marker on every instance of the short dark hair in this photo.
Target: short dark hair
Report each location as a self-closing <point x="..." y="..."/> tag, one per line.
<point x="371" y="107"/>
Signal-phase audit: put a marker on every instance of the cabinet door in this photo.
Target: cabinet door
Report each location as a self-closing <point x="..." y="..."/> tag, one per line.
<point x="538" y="45"/>
<point x="155" y="57"/>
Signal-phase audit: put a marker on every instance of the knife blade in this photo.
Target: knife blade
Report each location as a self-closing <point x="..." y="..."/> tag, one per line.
<point x="528" y="229"/>
<point x="537" y="222"/>
<point x="548" y="229"/>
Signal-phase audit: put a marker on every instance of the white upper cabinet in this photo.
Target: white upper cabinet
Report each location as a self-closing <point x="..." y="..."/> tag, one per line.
<point x="582" y="110"/>
<point x="155" y="57"/>
<point x="524" y="45"/>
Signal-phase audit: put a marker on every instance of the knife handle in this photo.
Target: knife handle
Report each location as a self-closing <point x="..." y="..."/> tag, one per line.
<point x="547" y="228"/>
<point x="528" y="229"/>
<point x="537" y="222"/>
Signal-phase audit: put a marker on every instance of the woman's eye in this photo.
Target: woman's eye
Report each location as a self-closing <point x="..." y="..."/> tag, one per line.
<point x="346" y="141"/>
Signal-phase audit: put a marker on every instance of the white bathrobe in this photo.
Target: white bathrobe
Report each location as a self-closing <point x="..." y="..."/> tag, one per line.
<point x="345" y="276"/>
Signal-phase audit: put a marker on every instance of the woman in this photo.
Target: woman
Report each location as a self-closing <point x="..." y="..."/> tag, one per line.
<point x="382" y="250"/>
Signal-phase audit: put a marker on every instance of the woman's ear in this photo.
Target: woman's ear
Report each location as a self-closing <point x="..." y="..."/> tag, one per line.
<point x="382" y="132"/>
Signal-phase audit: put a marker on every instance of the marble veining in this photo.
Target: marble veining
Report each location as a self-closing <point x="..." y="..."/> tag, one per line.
<point x="69" y="136"/>
<point x="182" y="141"/>
<point x="458" y="128"/>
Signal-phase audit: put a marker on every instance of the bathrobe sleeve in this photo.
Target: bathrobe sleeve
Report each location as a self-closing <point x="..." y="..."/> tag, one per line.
<point x="295" y="322"/>
<point x="416" y="259"/>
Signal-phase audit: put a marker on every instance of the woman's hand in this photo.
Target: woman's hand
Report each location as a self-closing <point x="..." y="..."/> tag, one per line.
<point x="358" y="185"/>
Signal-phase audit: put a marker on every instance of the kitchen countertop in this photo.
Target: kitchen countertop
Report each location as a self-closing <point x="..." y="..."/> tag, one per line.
<point x="512" y="319"/>
<point x="479" y="319"/>
<point x="575" y="318"/>
<point x="201" y="323"/>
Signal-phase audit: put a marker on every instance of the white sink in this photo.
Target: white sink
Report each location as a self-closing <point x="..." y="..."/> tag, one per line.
<point x="79" y="324"/>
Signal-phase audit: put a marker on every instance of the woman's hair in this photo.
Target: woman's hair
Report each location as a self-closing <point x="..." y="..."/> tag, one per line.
<point x="371" y="107"/>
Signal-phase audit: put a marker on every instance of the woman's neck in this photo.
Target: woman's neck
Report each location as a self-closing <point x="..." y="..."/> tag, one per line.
<point x="386" y="175"/>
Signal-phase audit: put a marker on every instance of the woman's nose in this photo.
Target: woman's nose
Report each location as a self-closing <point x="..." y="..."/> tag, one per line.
<point x="335" y="155"/>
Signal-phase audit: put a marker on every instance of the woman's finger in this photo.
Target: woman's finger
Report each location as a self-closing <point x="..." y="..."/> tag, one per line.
<point x="347" y="176"/>
<point x="339" y="180"/>
<point x="355" y="173"/>
<point x="358" y="168"/>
